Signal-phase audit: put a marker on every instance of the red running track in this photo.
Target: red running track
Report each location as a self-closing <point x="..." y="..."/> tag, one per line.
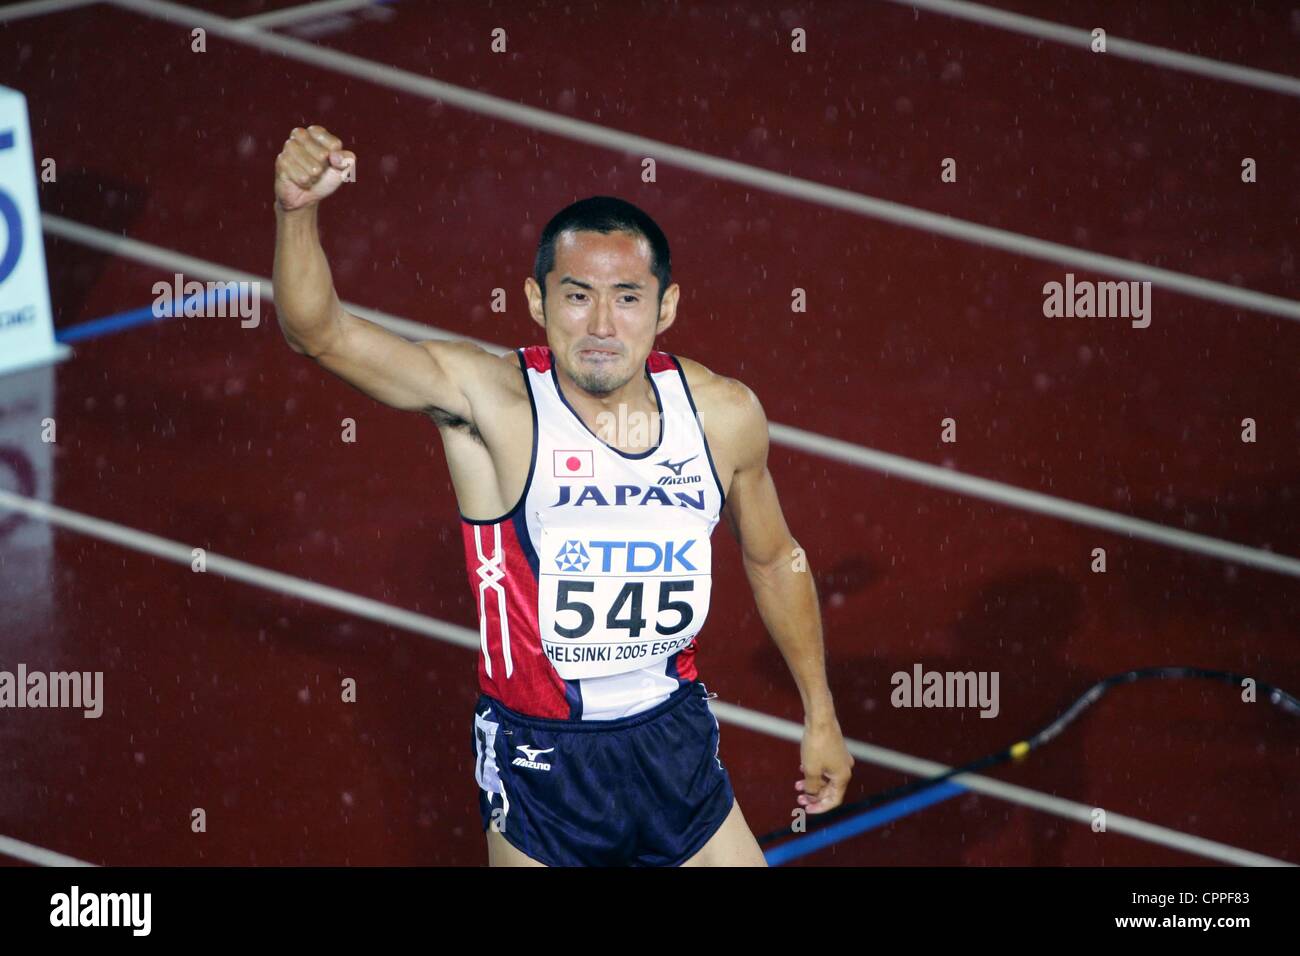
<point x="223" y="695"/>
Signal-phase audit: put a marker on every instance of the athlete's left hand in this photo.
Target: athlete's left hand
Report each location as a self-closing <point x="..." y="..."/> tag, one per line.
<point x="827" y="766"/>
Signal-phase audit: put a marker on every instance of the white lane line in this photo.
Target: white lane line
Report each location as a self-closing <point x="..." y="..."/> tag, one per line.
<point x="240" y="571"/>
<point x="1046" y="803"/>
<point x="464" y="637"/>
<point x="174" y="261"/>
<point x="35" y="8"/>
<point x="306" y="11"/>
<point x="704" y="164"/>
<point x="37" y="855"/>
<point x="811" y="442"/>
<point x="1034" y="501"/>
<point x="1115" y="46"/>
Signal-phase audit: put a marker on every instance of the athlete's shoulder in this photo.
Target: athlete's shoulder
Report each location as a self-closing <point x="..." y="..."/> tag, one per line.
<point x="723" y="395"/>
<point x="728" y="408"/>
<point x="536" y="357"/>
<point x="475" y="367"/>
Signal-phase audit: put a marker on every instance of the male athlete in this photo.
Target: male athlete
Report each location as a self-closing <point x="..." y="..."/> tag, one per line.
<point x="589" y="474"/>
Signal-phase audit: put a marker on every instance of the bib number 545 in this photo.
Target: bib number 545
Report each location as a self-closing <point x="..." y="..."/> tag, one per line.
<point x="628" y="600"/>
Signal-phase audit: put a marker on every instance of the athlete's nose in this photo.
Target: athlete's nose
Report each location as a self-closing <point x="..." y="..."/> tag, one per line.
<point x="601" y="324"/>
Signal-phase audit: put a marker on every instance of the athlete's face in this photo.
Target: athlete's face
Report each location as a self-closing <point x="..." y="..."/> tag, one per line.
<point x="602" y="309"/>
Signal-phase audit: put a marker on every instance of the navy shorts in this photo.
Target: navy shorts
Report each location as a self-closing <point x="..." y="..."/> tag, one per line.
<point x="645" y="790"/>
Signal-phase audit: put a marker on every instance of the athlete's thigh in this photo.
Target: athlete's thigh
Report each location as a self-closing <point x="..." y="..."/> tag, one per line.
<point x="501" y="853"/>
<point x="732" y="845"/>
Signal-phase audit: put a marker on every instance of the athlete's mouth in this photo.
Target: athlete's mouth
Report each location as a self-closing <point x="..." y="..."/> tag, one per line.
<point x="598" y="354"/>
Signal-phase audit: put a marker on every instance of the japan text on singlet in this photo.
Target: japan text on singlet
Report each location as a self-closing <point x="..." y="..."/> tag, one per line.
<point x="591" y="590"/>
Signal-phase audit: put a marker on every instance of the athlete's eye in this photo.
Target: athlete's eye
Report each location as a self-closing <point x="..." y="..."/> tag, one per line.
<point x="573" y="295"/>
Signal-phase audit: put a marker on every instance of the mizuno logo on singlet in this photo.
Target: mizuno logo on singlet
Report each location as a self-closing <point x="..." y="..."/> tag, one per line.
<point x="676" y="467"/>
<point x="677" y="478"/>
<point x="529" y="759"/>
<point x="623" y="495"/>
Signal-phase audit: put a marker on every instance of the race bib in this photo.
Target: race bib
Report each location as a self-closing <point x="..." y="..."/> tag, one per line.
<point x="617" y="601"/>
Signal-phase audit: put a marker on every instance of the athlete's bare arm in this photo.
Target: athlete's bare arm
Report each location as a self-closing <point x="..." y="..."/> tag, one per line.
<point x="778" y="573"/>
<point x="418" y="376"/>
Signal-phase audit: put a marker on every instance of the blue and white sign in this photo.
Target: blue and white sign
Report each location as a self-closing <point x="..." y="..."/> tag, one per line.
<point x="26" y="322"/>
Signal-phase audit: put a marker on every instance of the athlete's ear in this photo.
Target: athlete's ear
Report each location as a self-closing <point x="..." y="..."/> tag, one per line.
<point x="534" y="293"/>
<point x="668" y="308"/>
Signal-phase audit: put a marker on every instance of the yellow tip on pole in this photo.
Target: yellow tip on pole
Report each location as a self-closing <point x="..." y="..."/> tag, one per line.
<point x="1021" y="750"/>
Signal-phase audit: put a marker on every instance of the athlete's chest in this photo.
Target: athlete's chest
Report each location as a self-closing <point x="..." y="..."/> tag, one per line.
<point x="587" y="474"/>
<point x="622" y="538"/>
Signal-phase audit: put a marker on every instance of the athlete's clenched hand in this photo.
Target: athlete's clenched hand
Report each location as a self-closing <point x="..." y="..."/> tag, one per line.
<point x="311" y="166"/>
<point x="827" y="766"/>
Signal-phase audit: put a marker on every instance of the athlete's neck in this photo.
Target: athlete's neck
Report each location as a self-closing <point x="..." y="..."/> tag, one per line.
<point x="612" y="415"/>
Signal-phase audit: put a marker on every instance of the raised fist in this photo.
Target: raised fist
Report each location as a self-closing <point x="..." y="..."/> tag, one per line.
<point x="311" y="166"/>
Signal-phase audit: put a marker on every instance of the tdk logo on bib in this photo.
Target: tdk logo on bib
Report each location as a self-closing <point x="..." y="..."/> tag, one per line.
<point x="627" y="557"/>
<point x="619" y="599"/>
<point x="572" y="557"/>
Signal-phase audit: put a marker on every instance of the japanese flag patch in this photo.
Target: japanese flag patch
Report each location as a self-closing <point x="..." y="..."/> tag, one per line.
<point x="579" y="463"/>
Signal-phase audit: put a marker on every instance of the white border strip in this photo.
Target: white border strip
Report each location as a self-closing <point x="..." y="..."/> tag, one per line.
<point x="740" y="716"/>
<point x="1115" y="46"/>
<point x="754" y="720"/>
<point x="811" y="442"/>
<point x="34" y="8"/>
<point x="37" y="855"/>
<point x="704" y="164"/>
<point x="306" y="11"/>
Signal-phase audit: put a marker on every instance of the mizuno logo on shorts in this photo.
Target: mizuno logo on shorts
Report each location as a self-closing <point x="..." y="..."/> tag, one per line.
<point x="529" y="759"/>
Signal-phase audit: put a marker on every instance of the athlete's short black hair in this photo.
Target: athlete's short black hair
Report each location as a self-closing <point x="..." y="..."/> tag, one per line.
<point x="604" y="214"/>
